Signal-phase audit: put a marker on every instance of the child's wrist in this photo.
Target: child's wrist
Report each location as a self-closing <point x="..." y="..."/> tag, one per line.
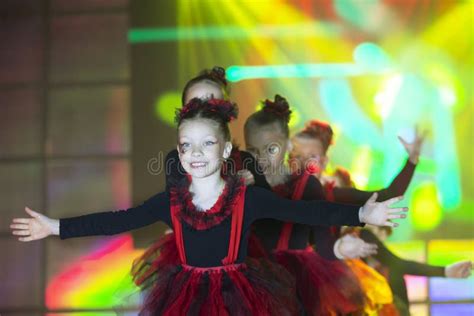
<point x="337" y="250"/>
<point x="361" y="214"/>
<point x="55" y="226"/>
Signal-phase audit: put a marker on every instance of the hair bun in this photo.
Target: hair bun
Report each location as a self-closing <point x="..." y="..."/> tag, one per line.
<point x="319" y="130"/>
<point x="226" y="110"/>
<point x="218" y="73"/>
<point x="316" y="127"/>
<point x="278" y="107"/>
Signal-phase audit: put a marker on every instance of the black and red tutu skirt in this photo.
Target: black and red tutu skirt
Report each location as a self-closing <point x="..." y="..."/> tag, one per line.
<point x="256" y="287"/>
<point x="324" y="287"/>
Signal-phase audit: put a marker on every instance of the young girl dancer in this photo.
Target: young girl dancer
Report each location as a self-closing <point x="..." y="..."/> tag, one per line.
<point x="310" y="147"/>
<point x="212" y="84"/>
<point x="211" y="217"/>
<point x="317" y="279"/>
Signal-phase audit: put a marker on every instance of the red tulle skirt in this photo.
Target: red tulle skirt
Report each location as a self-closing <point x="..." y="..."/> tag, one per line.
<point x="257" y="287"/>
<point x="324" y="287"/>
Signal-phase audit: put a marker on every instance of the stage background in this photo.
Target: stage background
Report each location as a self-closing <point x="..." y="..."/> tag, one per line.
<point x="87" y="96"/>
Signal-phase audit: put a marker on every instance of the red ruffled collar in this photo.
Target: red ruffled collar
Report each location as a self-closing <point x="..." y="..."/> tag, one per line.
<point x="202" y="220"/>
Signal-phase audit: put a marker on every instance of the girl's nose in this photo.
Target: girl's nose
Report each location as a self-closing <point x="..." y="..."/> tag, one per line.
<point x="196" y="152"/>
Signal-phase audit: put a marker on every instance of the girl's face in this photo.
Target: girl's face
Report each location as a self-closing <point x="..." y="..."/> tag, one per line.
<point x="268" y="145"/>
<point x="204" y="90"/>
<point x="201" y="147"/>
<point x="308" y="152"/>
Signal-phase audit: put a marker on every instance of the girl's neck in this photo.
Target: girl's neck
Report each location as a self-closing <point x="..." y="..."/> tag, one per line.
<point x="203" y="188"/>
<point x="279" y="177"/>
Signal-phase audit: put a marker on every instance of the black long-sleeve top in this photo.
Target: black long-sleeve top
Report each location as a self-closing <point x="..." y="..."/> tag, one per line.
<point x="175" y="171"/>
<point x="206" y="248"/>
<point x="394" y="267"/>
<point x="268" y="230"/>
<point x="398" y="187"/>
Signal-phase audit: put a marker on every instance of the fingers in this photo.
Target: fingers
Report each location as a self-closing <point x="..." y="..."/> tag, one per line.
<point x="396" y="216"/>
<point x="466" y="272"/>
<point x="466" y="268"/>
<point x="390" y="224"/>
<point x="404" y="143"/>
<point x="397" y="210"/>
<point x="370" y="250"/>
<point x="21" y="220"/>
<point x="31" y="212"/>
<point x="20" y="226"/>
<point x="25" y="239"/>
<point x="393" y="200"/>
<point x="370" y="246"/>
<point x="21" y="232"/>
<point x="465" y="263"/>
<point x="373" y="198"/>
<point x="366" y="250"/>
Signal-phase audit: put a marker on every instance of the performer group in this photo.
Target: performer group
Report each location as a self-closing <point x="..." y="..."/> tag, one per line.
<point x="265" y="231"/>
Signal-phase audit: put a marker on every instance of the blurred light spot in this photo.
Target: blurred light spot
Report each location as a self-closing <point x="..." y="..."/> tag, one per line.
<point x="425" y="209"/>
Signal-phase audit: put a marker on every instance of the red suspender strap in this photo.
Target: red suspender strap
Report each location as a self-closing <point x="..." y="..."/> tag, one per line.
<point x="285" y="233"/>
<point x="178" y="230"/>
<point x="329" y="188"/>
<point x="235" y="233"/>
<point x="300" y="186"/>
<point x="236" y="226"/>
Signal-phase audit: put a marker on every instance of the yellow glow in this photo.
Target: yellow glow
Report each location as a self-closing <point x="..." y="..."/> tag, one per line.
<point x="361" y="166"/>
<point x="425" y="209"/>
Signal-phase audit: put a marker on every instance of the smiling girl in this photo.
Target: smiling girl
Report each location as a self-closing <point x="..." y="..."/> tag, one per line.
<point x="212" y="84"/>
<point x="211" y="216"/>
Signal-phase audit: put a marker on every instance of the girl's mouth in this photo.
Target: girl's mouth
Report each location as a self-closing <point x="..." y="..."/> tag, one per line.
<point x="196" y="165"/>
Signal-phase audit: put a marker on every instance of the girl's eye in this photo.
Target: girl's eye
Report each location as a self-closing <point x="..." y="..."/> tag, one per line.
<point x="184" y="146"/>
<point x="209" y="143"/>
<point x="274" y="149"/>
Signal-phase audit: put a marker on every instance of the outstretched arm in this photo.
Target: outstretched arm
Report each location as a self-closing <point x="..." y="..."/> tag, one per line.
<point x="264" y="204"/>
<point x="399" y="184"/>
<point x="326" y="243"/>
<point x="398" y="187"/>
<point x="386" y="257"/>
<point x="39" y="226"/>
<point x="321" y="236"/>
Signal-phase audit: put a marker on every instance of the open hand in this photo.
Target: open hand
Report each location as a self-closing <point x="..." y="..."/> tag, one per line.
<point x="353" y="247"/>
<point x="380" y="213"/>
<point x="35" y="227"/>
<point x="459" y="270"/>
<point x="413" y="149"/>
